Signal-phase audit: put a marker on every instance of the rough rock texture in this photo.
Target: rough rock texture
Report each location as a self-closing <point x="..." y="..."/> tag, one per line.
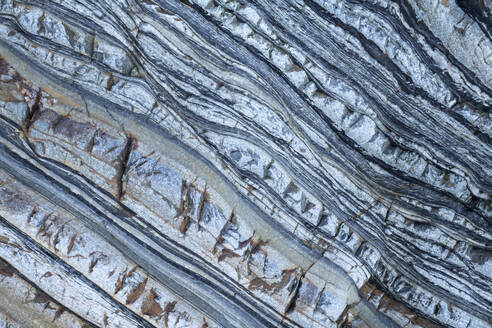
<point x="232" y="163"/>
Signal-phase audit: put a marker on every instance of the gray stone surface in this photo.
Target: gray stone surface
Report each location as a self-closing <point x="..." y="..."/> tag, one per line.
<point x="227" y="163"/>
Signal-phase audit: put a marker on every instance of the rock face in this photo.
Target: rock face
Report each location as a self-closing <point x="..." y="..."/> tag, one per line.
<point x="230" y="163"/>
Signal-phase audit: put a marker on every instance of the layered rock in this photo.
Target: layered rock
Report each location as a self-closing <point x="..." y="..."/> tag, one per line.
<point x="245" y="164"/>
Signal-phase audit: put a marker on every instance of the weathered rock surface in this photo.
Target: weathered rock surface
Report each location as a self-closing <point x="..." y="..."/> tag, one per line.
<point x="228" y="163"/>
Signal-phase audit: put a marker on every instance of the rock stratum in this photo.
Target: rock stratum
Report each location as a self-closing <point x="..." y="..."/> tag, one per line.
<point x="230" y="163"/>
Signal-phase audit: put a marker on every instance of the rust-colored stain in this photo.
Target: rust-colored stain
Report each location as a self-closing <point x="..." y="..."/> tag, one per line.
<point x="6" y="241"/>
<point x="167" y="310"/>
<point x="272" y="288"/>
<point x="226" y="253"/>
<point x="42" y="298"/>
<point x="184" y="224"/>
<point x="71" y="244"/>
<point x="4" y="67"/>
<point x="136" y="292"/>
<point x="120" y="281"/>
<point x="96" y="257"/>
<point x="122" y="278"/>
<point x="5" y="270"/>
<point x="58" y="313"/>
<point x="149" y="306"/>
